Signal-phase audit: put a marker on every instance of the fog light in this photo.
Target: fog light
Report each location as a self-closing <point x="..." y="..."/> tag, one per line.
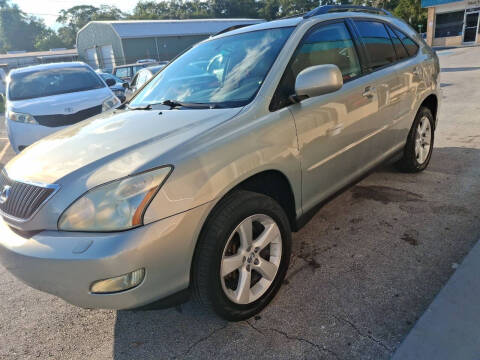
<point x="119" y="283"/>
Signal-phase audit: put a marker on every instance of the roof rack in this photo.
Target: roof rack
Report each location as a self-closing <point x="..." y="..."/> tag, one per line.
<point x="339" y="8"/>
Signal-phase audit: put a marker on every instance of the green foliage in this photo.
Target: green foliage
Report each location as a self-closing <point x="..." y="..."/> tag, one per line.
<point x="412" y="12"/>
<point x="76" y="17"/>
<point x="17" y="30"/>
<point x="21" y="32"/>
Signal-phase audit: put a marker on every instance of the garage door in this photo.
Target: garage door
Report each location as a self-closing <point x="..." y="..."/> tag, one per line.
<point x="92" y="59"/>
<point x="108" y="60"/>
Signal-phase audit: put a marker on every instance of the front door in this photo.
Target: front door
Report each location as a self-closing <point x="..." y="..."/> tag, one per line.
<point x="331" y="128"/>
<point x="471" y="27"/>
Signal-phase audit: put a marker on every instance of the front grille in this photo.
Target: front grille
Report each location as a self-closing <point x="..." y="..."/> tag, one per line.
<point x="63" y="120"/>
<point x="22" y="200"/>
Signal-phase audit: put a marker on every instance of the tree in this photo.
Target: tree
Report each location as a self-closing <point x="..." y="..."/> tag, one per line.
<point x="411" y="11"/>
<point x="17" y="30"/>
<point x="49" y="40"/>
<point x="74" y="18"/>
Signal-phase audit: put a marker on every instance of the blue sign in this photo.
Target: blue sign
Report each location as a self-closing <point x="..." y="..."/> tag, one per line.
<point x="427" y="3"/>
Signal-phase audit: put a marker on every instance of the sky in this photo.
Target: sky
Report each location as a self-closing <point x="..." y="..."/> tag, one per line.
<point x="48" y="10"/>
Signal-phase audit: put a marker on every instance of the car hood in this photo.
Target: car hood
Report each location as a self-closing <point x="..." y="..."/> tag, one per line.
<point x="112" y="145"/>
<point x="64" y="104"/>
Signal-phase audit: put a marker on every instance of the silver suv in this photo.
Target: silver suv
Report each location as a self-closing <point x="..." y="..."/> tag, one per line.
<point x="195" y="185"/>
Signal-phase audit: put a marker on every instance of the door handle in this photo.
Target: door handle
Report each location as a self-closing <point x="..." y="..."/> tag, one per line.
<point x="369" y="92"/>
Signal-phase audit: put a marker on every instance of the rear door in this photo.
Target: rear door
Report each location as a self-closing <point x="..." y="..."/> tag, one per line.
<point x="332" y="129"/>
<point x="383" y="65"/>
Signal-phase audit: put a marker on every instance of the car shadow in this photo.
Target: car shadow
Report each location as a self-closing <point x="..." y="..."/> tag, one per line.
<point x="159" y="333"/>
<point x="350" y="278"/>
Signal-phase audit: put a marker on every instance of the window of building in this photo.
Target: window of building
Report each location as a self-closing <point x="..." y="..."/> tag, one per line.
<point x="377" y="42"/>
<point x="449" y="24"/>
<point x="328" y="44"/>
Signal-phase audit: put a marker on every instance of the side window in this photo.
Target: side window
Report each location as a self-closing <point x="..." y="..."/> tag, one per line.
<point x="410" y="45"/>
<point x="397" y="44"/>
<point x="328" y="44"/>
<point x="378" y="45"/>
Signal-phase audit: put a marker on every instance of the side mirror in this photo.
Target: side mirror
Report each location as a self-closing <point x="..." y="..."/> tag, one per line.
<point x="110" y="82"/>
<point x="317" y="80"/>
<point x="126" y="85"/>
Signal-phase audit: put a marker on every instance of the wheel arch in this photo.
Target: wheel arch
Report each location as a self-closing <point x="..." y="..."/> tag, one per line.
<point x="431" y="102"/>
<point x="272" y="183"/>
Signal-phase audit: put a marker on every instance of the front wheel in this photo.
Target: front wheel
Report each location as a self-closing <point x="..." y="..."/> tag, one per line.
<point x="242" y="255"/>
<point x="419" y="147"/>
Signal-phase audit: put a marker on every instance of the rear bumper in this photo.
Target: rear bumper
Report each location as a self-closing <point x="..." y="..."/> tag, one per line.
<point x="66" y="264"/>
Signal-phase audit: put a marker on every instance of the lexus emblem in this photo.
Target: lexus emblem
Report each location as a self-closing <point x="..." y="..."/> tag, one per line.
<point x="5" y="194"/>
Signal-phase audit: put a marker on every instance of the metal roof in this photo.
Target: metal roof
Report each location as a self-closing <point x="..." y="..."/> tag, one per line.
<point x="152" y="28"/>
<point x="67" y="52"/>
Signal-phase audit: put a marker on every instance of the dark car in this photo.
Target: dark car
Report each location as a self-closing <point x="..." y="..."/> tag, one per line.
<point x="118" y="88"/>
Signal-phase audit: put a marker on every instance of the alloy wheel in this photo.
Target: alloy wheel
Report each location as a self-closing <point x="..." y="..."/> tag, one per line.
<point x="423" y="138"/>
<point x="251" y="259"/>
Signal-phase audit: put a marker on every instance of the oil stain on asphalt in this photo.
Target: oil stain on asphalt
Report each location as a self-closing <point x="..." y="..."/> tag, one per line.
<point x="384" y="194"/>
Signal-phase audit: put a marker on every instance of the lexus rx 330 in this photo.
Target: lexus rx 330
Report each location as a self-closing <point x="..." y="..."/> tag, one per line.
<point x="195" y="185"/>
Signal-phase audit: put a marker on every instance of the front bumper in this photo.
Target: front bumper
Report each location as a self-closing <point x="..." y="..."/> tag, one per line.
<point x="22" y="135"/>
<point x="65" y="264"/>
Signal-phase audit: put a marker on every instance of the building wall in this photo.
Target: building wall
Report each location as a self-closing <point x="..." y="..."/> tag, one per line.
<point x="430" y="25"/>
<point x="159" y="48"/>
<point x="446" y="7"/>
<point x="96" y="35"/>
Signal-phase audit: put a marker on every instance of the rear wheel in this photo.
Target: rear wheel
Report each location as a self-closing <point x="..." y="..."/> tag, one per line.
<point x="419" y="146"/>
<point x="242" y="255"/>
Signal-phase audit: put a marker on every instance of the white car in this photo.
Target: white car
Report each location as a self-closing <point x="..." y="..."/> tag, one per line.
<point x="3" y="78"/>
<point x="43" y="99"/>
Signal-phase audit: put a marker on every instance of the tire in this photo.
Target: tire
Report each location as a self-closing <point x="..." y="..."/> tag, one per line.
<point x="221" y="242"/>
<point x="414" y="160"/>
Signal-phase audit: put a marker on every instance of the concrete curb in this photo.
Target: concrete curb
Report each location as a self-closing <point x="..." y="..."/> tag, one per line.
<point x="450" y="328"/>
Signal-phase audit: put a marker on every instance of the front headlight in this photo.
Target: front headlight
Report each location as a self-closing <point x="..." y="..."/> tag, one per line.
<point x="21" y="117"/>
<point x="110" y="103"/>
<point x="114" y="206"/>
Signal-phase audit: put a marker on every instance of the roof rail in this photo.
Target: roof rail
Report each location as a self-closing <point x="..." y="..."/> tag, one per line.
<point x="231" y="28"/>
<point x="339" y="8"/>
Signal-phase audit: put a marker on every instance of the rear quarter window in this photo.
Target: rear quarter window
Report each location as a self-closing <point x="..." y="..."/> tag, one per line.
<point x="410" y="45"/>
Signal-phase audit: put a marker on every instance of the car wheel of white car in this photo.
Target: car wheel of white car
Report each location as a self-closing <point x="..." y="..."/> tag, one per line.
<point x="419" y="146"/>
<point x="242" y="255"/>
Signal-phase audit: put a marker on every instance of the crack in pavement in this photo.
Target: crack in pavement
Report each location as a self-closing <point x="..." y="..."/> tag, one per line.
<point x="205" y="338"/>
<point x="368" y="336"/>
<point x="296" y="338"/>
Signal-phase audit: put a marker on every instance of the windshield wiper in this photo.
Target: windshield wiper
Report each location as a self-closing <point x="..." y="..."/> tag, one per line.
<point x="175" y="103"/>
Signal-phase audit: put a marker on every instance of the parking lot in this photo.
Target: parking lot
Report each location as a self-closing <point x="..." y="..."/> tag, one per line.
<point x="363" y="270"/>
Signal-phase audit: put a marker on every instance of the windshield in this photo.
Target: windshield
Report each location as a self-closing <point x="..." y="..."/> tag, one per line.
<point x="35" y="83"/>
<point x="225" y="72"/>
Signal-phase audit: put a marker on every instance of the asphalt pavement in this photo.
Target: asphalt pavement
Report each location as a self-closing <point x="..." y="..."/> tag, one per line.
<point x="363" y="270"/>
